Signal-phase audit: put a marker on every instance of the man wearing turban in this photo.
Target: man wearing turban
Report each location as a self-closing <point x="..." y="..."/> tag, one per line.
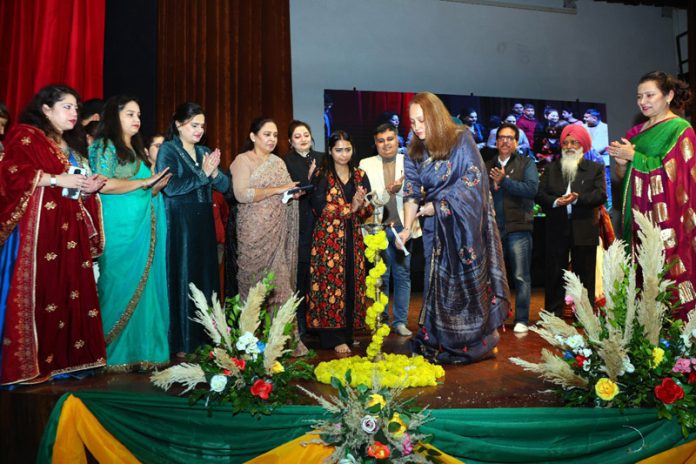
<point x="571" y="190"/>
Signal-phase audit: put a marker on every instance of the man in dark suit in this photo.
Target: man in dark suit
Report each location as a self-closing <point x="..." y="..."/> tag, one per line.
<point x="571" y="190"/>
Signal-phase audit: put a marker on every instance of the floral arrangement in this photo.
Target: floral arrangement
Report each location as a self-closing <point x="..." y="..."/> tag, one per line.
<point x="392" y="370"/>
<point x="374" y="244"/>
<point x="370" y="424"/>
<point x="248" y="364"/>
<point x="630" y="353"/>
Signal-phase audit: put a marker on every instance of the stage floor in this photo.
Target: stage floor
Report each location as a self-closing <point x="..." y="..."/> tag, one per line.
<point x="492" y="383"/>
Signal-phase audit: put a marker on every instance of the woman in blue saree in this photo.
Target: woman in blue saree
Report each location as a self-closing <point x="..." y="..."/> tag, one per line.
<point x="466" y="295"/>
<point x="132" y="284"/>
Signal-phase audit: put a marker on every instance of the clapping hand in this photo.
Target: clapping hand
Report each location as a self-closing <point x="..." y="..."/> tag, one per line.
<point x="497" y="174"/>
<point x="394" y="187"/>
<point x="566" y="199"/>
<point x="161" y="183"/>
<point x="211" y="162"/>
<point x="622" y="151"/>
<point x="358" y="199"/>
<point x="93" y="183"/>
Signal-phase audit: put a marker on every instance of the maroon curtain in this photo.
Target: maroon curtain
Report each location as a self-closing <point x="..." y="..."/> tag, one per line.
<point x="232" y="57"/>
<point x="50" y="41"/>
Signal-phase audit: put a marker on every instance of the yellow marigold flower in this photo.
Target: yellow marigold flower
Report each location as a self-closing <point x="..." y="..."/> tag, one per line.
<point x="376" y="398"/>
<point x="396" y="418"/>
<point x="606" y="389"/>
<point x="658" y="355"/>
<point x="277" y="368"/>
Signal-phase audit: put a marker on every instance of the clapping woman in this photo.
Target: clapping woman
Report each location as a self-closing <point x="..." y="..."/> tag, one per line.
<point x="132" y="284"/>
<point x="53" y="320"/>
<point x="656" y="160"/>
<point x="337" y="267"/>
<point x="191" y="243"/>
<point x="267" y="228"/>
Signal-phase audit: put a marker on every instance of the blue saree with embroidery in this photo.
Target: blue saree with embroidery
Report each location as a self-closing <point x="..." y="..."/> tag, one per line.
<point x="466" y="295"/>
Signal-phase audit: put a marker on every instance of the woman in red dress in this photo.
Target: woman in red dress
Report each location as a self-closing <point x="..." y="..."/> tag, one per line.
<point x="49" y="238"/>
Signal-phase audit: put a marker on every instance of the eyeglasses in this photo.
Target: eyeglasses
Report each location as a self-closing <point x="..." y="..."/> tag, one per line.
<point x="571" y="143"/>
<point x="508" y="138"/>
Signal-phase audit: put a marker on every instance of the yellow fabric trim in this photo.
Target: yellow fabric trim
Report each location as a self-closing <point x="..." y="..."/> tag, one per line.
<point x="294" y="452"/>
<point x="684" y="454"/>
<point x="77" y="428"/>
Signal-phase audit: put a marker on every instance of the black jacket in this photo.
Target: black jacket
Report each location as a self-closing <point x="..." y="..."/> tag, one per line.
<point x="583" y="223"/>
<point x="298" y="167"/>
<point x="514" y="199"/>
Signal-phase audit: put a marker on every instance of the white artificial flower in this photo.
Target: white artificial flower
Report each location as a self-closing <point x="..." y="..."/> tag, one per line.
<point x="247" y="341"/>
<point x="687" y="340"/>
<point x="628" y="367"/>
<point x="218" y="383"/>
<point x="586" y="352"/>
<point x="369" y="424"/>
<point x="586" y="365"/>
<point x="575" y="342"/>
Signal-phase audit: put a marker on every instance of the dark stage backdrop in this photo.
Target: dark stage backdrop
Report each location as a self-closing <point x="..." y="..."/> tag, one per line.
<point x="232" y="57"/>
<point x="130" y="55"/>
<point x="47" y="42"/>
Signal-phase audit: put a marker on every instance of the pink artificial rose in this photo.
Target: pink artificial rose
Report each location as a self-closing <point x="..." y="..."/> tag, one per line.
<point x="682" y="366"/>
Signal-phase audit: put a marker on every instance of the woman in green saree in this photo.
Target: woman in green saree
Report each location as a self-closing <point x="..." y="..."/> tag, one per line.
<point x="132" y="284"/>
<point x="656" y="160"/>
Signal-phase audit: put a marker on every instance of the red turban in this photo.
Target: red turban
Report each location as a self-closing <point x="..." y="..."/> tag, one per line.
<point x="580" y="133"/>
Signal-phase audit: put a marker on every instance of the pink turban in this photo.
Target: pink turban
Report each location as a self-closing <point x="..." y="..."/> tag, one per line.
<point x="580" y="133"/>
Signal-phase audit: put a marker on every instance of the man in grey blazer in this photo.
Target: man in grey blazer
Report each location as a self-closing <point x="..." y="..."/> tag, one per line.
<point x="386" y="174"/>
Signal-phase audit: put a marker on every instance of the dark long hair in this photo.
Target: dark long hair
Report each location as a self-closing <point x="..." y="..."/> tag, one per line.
<point x="110" y="129"/>
<point x="184" y="112"/>
<point x="327" y="163"/>
<point x="254" y="128"/>
<point x="666" y="83"/>
<point x="33" y="115"/>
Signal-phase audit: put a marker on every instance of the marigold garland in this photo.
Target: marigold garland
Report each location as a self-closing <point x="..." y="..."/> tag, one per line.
<point x="392" y="370"/>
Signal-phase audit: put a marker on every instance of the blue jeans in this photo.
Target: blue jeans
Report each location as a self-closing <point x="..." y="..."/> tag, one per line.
<point x="398" y="267"/>
<point x="517" y="247"/>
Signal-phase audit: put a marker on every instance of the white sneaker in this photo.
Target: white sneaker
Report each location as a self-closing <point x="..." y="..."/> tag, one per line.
<point x="402" y="330"/>
<point x="520" y="328"/>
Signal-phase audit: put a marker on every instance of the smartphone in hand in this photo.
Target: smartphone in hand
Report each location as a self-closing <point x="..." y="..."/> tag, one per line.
<point x="73" y="193"/>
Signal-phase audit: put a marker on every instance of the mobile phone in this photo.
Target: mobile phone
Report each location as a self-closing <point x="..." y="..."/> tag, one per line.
<point x="73" y="193"/>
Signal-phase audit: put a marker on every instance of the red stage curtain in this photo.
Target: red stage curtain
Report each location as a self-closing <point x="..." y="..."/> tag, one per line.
<point x="50" y="41"/>
<point x="231" y="57"/>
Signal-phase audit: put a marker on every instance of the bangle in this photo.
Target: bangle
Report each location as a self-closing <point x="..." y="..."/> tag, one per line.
<point x="53" y="181"/>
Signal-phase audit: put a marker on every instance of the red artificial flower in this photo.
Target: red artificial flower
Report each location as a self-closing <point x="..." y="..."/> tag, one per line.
<point x="211" y="355"/>
<point x="262" y="389"/>
<point x="668" y="392"/>
<point x="378" y="451"/>
<point x="240" y="363"/>
<point x="601" y="302"/>
<point x="692" y="377"/>
<point x="580" y="360"/>
<point x="226" y="372"/>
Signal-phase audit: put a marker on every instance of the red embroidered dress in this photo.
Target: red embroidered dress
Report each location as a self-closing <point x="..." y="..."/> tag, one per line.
<point x="337" y="262"/>
<point x="52" y="320"/>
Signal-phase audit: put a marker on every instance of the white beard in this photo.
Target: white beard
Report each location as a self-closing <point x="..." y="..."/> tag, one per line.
<point x="570" y="160"/>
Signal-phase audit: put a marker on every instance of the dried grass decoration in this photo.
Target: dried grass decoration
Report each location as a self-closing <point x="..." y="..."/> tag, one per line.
<point x="392" y="370"/>
<point x="248" y="365"/>
<point x="630" y="353"/>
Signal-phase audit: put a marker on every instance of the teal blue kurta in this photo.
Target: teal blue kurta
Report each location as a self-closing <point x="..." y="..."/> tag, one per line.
<point x="191" y="243"/>
<point x="132" y="284"/>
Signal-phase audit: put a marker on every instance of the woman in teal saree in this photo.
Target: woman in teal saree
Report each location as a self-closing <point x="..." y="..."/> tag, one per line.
<point x="132" y="284"/>
<point x="656" y="160"/>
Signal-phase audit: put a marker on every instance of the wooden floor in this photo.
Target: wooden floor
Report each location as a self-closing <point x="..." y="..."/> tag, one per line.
<point x="488" y="384"/>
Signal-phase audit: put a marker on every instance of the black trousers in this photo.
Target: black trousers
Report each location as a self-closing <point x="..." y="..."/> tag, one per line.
<point x="584" y="259"/>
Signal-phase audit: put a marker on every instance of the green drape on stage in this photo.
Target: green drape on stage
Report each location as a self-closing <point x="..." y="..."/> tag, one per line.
<point x="160" y="428"/>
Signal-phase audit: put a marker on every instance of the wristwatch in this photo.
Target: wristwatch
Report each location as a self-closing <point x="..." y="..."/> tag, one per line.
<point x="54" y="182"/>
